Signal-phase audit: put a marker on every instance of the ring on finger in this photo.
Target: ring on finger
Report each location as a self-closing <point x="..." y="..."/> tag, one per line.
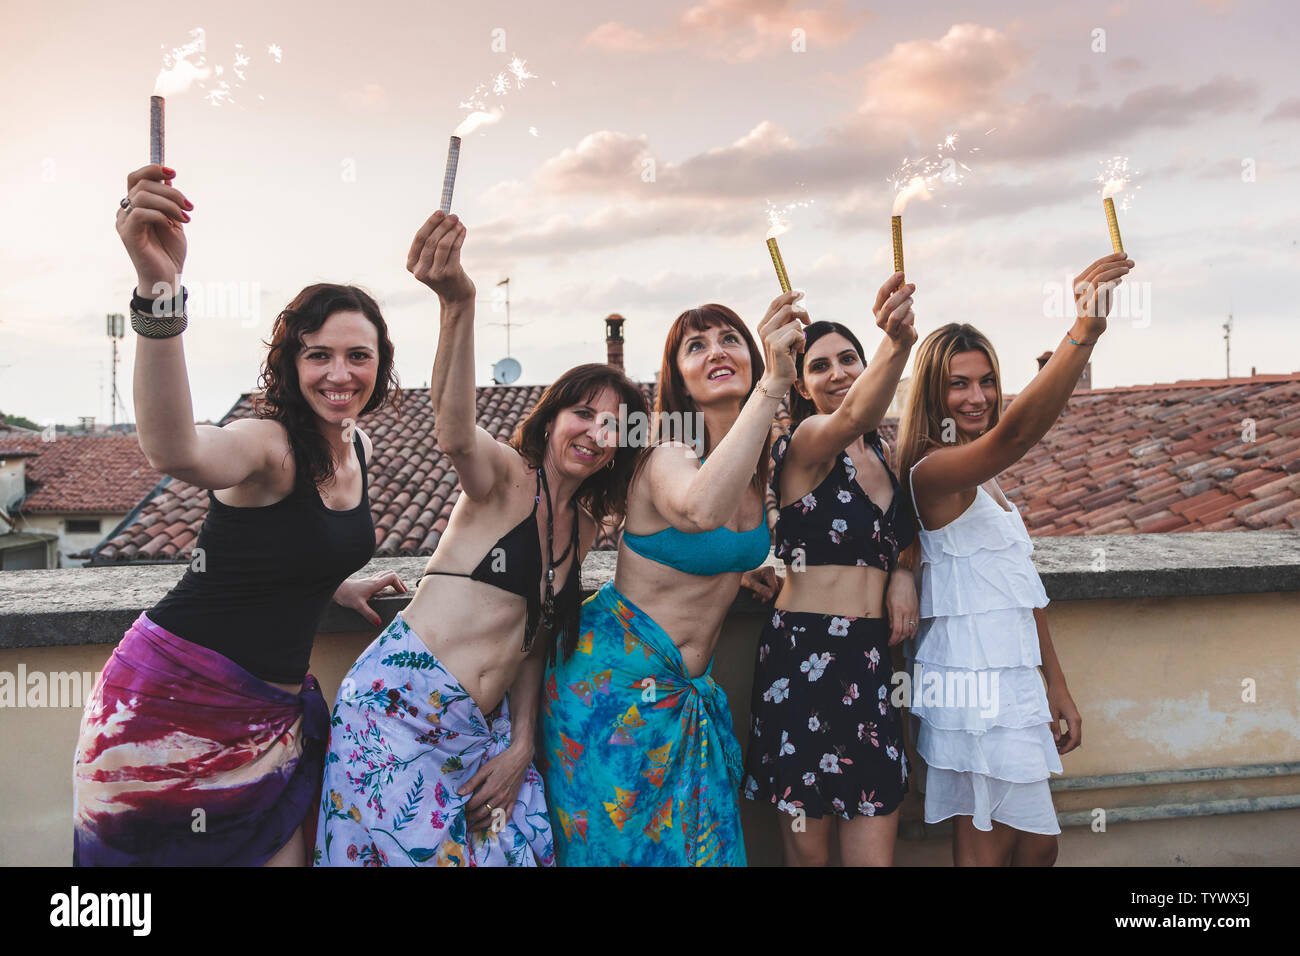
<point x="126" y="203"/>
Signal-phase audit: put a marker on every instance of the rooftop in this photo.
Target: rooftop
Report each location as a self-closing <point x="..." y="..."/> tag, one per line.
<point x="1202" y="455"/>
<point x="80" y="473"/>
<point x="1143" y="458"/>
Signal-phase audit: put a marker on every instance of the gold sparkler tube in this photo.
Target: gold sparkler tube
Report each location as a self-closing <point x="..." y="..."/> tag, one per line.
<point x="1113" y="223"/>
<point x="449" y="177"/>
<point x="896" y="230"/>
<point x="780" y="265"/>
<point x="157" y="109"/>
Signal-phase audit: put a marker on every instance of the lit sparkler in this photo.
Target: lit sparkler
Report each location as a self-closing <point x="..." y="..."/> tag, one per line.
<point x="1115" y="178"/>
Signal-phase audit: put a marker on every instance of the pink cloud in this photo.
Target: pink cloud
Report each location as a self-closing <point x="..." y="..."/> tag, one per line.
<point x="1288" y="109"/>
<point x="607" y="161"/>
<point x="961" y="74"/>
<point x="737" y="30"/>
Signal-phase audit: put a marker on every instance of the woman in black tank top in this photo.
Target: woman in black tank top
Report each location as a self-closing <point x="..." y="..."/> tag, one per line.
<point x="431" y="751"/>
<point x="209" y="688"/>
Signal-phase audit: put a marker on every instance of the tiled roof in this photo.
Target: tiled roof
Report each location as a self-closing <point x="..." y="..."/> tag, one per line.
<point x="1142" y="458"/>
<point x="1151" y="458"/>
<point x="81" y="473"/>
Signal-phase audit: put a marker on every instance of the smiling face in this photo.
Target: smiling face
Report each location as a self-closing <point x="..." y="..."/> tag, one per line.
<point x="830" y="367"/>
<point x="714" y="365"/>
<point x="972" y="392"/>
<point x="337" y="366"/>
<point x="581" y="441"/>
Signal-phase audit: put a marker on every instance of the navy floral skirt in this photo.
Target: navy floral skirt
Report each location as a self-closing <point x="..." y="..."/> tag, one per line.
<point x="823" y="735"/>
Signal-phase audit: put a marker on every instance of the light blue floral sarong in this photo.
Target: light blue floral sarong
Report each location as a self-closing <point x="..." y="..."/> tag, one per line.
<point x="404" y="737"/>
<point x="641" y="764"/>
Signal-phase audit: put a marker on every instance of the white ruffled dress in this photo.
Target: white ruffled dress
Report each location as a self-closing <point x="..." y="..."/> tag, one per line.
<point x="984" y="732"/>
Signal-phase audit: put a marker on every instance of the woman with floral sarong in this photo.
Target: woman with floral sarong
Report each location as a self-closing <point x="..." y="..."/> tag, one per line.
<point x="431" y="738"/>
<point x="642" y="766"/>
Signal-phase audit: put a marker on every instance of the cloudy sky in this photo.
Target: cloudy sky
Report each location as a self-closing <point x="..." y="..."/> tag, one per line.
<point x="632" y="172"/>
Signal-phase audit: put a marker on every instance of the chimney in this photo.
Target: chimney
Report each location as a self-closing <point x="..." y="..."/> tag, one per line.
<point x="1085" y="380"/>
<point x="614" y="340"/>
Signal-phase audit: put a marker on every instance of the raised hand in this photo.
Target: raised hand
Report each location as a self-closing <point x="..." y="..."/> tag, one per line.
<point x="150" y="226"/>
<point x="434" y="258"/>
<point x="1092" y="291"/>
<point x="893" y="310"/>
<point x="781" y="333"/>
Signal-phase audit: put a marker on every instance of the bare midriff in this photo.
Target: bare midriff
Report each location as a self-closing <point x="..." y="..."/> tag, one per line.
<point x="845" y="590"/>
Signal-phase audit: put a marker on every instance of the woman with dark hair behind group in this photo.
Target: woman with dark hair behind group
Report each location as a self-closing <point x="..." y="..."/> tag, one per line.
<point x="431" y="741"/>
<point x="825" y="740"/>
<point x="203" y="738"/>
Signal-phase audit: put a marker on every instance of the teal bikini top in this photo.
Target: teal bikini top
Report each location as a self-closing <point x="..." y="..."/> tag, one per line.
<point x="705" y="553"/>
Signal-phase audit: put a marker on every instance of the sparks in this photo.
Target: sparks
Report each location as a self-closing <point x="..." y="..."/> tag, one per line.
<point x="520" y="70"/>
<point x="1116" y="178"/>
<point x="187" y="65"/>
<point x="778" y="215"/>
<point x="477" y="105"/>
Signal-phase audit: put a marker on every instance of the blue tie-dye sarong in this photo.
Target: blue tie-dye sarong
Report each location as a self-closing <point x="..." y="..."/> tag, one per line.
<point x="640" y="761"/>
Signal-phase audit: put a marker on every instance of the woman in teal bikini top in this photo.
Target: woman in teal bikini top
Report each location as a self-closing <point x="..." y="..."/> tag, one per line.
<point x="704" y="553"/>
<point x="642" y="766"/>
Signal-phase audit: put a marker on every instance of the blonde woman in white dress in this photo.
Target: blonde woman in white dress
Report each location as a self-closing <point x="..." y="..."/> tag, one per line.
<point x="982" y="624"/>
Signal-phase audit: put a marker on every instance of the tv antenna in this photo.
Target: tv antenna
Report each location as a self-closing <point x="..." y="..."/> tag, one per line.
<point x="506" y="370"/>
<point x="116" y="328"/>
<point x="1227" y="345"/>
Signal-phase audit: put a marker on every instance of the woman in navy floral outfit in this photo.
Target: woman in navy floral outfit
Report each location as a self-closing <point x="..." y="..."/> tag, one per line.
<point x="825" y="742"/>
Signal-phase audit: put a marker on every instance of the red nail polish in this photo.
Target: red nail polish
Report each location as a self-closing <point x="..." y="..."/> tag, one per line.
<point x="185" y="217"/>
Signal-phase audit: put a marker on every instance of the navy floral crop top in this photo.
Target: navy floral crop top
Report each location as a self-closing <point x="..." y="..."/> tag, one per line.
<point x="836" y="522"/>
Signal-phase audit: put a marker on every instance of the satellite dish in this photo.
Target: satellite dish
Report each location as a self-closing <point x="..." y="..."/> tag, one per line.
<point x="505" y="371"/>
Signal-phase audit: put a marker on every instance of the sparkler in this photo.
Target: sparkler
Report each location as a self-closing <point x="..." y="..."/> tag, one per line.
<point x="775" y="251"/>
<point x="916" y="177"/>
<point x="480" y="115"/>
<point x="157" y="109"/>
<point x="1114" y="179"/>
<point x="776" y="217"/>
<point x="449" y="177"/>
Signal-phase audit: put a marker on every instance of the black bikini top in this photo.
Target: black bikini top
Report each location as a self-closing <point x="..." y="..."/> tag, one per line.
<point x="837" y="522"/>
<point x="514" y="564"/>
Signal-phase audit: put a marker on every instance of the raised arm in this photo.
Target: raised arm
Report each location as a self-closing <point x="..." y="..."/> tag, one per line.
<point x="481" y="462"/>
<point x="151" y="230"/>
<point x="819" y="437"/>
<point x="958" y="468"/>
<point x="700" y="499"/>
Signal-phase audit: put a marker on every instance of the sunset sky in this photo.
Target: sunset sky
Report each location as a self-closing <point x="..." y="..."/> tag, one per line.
<point x="325" y="163"/>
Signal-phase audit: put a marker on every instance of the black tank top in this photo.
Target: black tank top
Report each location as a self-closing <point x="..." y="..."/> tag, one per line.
<point x="267" y="575"/>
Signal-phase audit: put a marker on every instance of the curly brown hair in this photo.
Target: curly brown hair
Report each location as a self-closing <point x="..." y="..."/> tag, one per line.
<point x="282" y="399"/>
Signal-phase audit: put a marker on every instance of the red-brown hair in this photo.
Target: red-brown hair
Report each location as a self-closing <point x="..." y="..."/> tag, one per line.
<point x="672" y="401"/>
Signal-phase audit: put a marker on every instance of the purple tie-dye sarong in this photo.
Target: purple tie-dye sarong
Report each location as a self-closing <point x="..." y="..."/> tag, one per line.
<point x="186" y="759"/>
<point x="404" y="737"/>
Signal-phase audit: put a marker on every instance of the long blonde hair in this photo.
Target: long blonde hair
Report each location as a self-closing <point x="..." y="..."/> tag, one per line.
<point x="921" y="428"/>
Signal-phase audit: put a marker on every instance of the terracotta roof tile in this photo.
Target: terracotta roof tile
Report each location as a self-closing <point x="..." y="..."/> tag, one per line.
<point x="1167" y="457"/>
<point x="82" y="473"/>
